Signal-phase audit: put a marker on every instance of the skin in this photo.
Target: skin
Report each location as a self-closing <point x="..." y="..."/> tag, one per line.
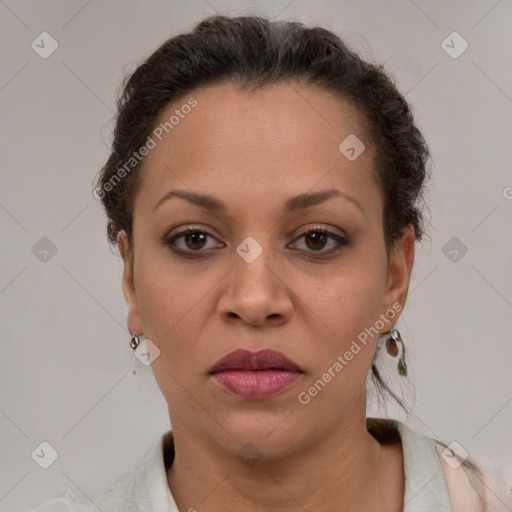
<point x="253" y="151"/>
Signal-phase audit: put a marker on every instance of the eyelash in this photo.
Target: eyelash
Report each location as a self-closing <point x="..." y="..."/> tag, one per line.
<point x="170" y="241"/>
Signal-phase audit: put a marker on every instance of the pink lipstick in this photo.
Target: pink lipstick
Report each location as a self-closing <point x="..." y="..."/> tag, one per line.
<point x="255" y="375"/>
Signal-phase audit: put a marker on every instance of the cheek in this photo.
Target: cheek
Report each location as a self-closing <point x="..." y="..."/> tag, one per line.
<point x="167" y="295"/>
<point x="177" y="309"/>
<point x="173" y="313"/>
<point x="340" y="318"/>
<point x="343" y="310"/>
<point x="349" y="299"/>
<point x="173" y="318"/>
<point x="342" y="344"/>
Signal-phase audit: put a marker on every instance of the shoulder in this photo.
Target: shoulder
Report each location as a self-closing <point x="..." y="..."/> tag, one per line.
<point x="470" y="487"/>
<point x="460" y="481"/>
<point x="467" y="486"/>
<point x="119" y="496"/>
<point x="65" y="503"/>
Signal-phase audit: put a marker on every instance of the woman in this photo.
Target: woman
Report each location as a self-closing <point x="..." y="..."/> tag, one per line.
<point x="263" y="189"/>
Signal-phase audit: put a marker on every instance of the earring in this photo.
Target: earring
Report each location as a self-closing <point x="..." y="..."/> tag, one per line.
<point x="135" y="341"/>
<point x="392" y="349"/>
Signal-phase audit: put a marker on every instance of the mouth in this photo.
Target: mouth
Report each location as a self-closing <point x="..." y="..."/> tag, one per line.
<point x="255" y="375"/>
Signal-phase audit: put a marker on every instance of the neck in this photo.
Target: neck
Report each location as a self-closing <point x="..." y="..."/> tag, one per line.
<point x="347" y="469"/>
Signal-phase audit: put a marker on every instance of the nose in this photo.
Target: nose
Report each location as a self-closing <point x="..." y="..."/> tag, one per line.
<point x="257" y="293"/>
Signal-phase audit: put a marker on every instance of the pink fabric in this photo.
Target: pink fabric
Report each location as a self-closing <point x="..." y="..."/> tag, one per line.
<point x="462" y="484"/>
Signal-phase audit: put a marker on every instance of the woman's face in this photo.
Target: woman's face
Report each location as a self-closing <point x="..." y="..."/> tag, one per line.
<point x="251" y="277"/>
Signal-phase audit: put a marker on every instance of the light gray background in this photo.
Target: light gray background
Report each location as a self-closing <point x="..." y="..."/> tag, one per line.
<point x="66" y="366"/>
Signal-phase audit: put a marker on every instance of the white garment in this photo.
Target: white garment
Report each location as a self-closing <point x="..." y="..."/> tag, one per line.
<point x="431" y="484"/>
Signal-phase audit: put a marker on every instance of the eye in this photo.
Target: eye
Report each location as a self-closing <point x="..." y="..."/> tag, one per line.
<point x="193" y="240"/>
<point x="317" y="238"/>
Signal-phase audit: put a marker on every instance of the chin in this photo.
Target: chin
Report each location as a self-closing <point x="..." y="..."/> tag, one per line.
<point x="271" y="433"/>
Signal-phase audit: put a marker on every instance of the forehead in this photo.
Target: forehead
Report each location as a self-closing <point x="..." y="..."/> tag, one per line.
<point x="270" y="141"/>
<point x="281" y="114"/>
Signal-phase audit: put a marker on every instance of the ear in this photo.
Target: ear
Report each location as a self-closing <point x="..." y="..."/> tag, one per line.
<point x="133" y="319"/>
<point x="401" y="260"/>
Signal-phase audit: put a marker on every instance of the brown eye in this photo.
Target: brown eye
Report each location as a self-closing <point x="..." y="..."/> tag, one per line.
<point x="317" y="239"/>
<point x="194" y="240"/>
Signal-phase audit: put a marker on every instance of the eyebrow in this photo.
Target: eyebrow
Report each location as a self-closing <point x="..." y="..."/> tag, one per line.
<point x="293" y="204"/>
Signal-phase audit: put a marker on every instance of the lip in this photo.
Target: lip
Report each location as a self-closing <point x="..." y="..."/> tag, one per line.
<point x="255" y="375"/>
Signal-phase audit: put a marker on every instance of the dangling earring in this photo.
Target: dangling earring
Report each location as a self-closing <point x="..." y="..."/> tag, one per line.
<point x="135" y="341"/>
<point x="392" y="349"/>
